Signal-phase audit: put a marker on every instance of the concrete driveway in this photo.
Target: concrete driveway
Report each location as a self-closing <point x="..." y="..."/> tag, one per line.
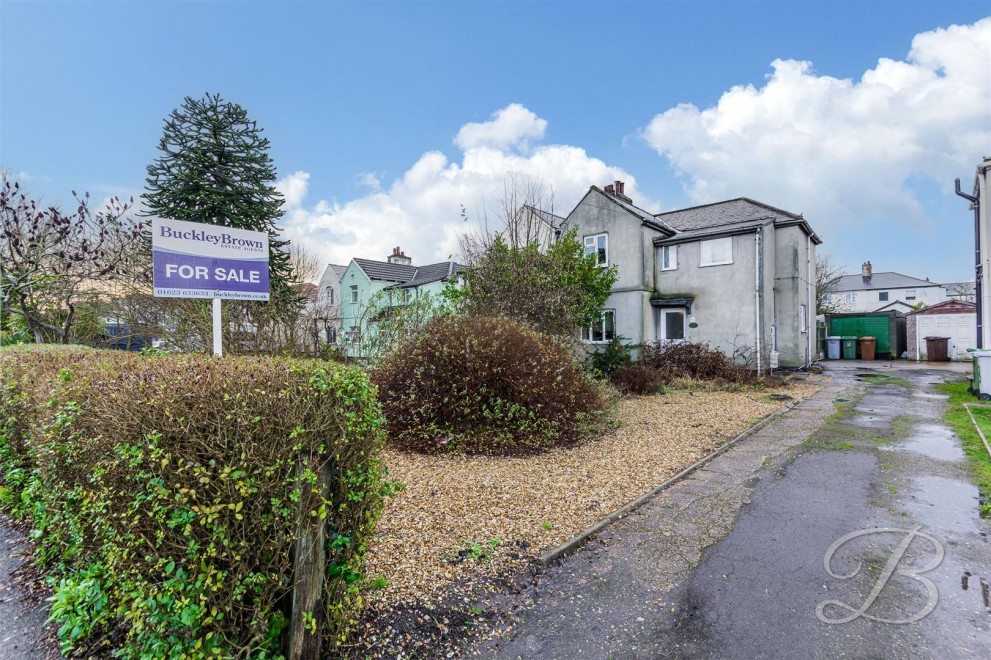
<point x="847" y="528"/>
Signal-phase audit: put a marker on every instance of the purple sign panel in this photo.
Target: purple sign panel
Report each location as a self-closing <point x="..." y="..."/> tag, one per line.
<point x="195" y="260"/>
<point x="183" y="272"/>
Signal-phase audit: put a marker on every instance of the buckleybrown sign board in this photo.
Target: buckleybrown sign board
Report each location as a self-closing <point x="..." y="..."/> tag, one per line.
<point x="199" y="260"/>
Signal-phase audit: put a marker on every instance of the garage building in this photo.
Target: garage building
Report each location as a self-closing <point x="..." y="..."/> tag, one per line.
<point x="955" y="319"/>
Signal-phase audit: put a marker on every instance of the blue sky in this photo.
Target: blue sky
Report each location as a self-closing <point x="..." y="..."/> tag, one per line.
<point x="386" y="118"/>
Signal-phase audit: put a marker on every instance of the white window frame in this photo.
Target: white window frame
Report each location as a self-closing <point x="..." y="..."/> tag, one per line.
<point x="664" y="323"/>
<point x="669" y="257"/>
<point x="850" y="298"/>
<point x="711" y="241"/>
<point x="592" y="247"/>
<point x="354" y="294"/>
<point x="910" y="294"/>
<point x="587" y="332"/>
<point x="803" y="316"/>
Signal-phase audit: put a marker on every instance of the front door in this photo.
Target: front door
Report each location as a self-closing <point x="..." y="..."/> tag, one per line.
<point x="672" y="325"/>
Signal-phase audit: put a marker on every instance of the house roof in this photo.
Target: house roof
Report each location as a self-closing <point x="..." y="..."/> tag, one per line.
<point x="409" y="276"/>
<point x="948" y="307"/>
<point x="434" y="273"/>
<point x="712" y="232"/>
<point x="879" y="281"/>
<point x="729" y="217"/>
<point x="338" y="269"/>
<point x="383" y="270"/>
<point x="731" y="211"/>
<point x="554" y="221"/>
<point x="894" y="304"/>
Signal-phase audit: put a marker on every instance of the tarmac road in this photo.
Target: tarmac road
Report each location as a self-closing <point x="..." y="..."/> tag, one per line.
<point x="22" y="618"/>
<point x="731" y="562"/>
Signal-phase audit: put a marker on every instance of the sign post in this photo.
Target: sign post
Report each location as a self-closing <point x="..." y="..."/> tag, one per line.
<point x="198" y="260"/>
<point x="218" y="336"/>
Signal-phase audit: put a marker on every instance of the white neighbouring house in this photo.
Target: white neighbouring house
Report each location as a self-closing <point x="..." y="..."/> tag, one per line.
<point x="877" y="292"/>
<point x="328" y="302"/>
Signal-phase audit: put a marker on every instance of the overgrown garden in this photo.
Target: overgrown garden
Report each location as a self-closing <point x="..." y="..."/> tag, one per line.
<point x="186" y="506"/>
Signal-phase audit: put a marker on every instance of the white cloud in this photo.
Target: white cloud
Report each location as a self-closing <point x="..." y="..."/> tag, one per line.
<point x="514" y="125"/>
<point x="294" y="188"/>
<point x="370" y="180"/>
<point x="420" y="210"/>
<point x="838" y="150"/>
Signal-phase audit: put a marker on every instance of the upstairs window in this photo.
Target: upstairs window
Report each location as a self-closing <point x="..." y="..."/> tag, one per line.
<point x="717" y="251"/>
<point x="849" y="298"/>
<point x="669" y="257"/>
<point x="882" y="296"/>
<point x="910" y="294"/>
<point x="354" y="293"/>
<point x="598" y="247"/>
<point x="329" y="291"/>
<point x="803" y="319"/>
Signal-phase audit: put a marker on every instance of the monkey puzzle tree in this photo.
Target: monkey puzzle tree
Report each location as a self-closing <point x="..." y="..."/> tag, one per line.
<point x="214" y="168"/>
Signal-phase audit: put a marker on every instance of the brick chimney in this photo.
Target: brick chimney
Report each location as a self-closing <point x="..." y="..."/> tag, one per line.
<point x="617" y="190"/>
<point x="866" y="271"/>
<point x="399" y="257"/>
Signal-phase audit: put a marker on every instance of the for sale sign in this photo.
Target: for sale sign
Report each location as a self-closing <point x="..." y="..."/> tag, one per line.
<point x="196" y="260"/>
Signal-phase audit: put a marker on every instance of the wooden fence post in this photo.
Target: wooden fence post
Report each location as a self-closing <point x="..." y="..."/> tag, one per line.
<point x="309" y="571"/>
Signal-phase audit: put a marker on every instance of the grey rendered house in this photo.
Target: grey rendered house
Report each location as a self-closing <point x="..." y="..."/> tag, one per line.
<point x="738" y="274"/>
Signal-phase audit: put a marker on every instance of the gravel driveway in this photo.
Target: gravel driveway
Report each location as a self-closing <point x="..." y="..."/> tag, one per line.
<point x="732" y="562"/>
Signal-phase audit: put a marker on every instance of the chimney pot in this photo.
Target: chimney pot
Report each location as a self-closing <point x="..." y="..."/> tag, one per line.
<point x="609" y="189"/>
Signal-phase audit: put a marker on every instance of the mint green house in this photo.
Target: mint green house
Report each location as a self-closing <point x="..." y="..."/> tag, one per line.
<point x="368" y="288"/>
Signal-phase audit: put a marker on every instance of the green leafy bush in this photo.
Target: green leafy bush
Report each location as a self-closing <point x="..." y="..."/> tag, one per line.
<point x="611" y="357"/>
<point x="165" y="492"/>
<point x="696" y="360"/>
<point x="638" y="379"/>
<point x="484" y="384"/>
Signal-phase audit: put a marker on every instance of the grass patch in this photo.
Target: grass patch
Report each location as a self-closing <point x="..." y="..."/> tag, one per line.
<point x="958" y="419"/>
<point x="887" y="380"/>
<point x="838" y="446"/>
<point x="844" y="406"/>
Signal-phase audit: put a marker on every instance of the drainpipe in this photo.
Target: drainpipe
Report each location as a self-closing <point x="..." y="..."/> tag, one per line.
<point x="758" y="257"/>
<point x="975" y="204"/>
<point x="810" y="304"/>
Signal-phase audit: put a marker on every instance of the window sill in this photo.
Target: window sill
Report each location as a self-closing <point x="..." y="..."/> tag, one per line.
<point x="718" y="263"/>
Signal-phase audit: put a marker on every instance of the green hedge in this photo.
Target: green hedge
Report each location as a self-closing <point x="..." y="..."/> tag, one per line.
<point x="165" y="491"/>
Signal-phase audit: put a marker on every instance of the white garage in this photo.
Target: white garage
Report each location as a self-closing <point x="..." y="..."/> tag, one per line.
<point x="954" y="319"/>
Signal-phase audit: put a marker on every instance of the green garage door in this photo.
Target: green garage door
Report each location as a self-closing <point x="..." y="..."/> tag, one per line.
<point x="864" y="326"/>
